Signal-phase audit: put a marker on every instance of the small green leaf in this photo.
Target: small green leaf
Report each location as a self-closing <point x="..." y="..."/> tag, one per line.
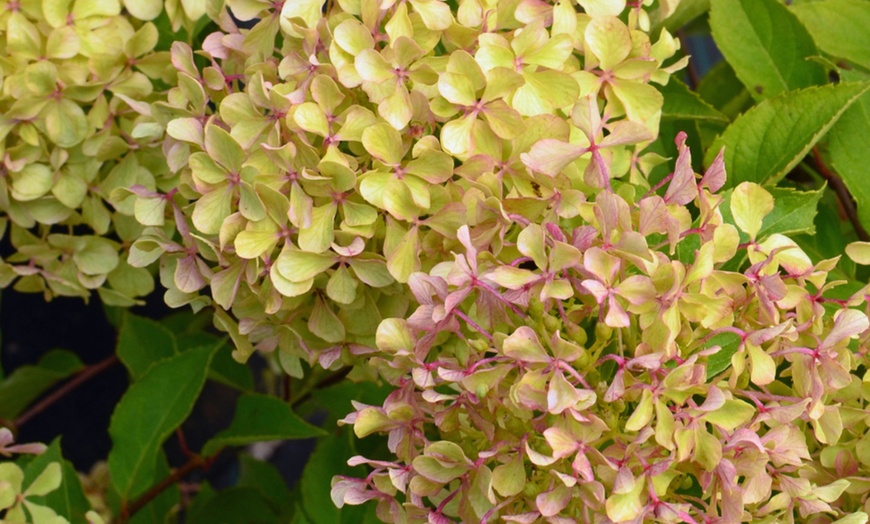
<point x="259" y="418"/>
<point x="770" y="139"/>
<point x="793" y="212"/>
<point x="718" y="362"/>
<point x="766" y="45"/>
<point x="683" y="104"/>
<point x="142" y="342"/>
<point x="26" y="383"/>
<point x="148" y="413"/>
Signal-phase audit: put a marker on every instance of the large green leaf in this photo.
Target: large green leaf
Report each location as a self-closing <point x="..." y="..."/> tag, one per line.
<point x="840" y="28"/>
<point x="148" y="413"/>
<point x="69" y="499"/>
<point x="26" y="383"/>
<point x="142" y="342"/>
<point x="766" y="45"/>
<point x="850" y="156"/>
<point x="767" y="141"/>
<point x="683" y="104"/>
<point x="793" y="212"/>
<point x="259" y="418"/>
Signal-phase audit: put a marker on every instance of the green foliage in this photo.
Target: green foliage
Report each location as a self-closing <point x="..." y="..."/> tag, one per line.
<point x="24" y="385"/>
<point x="469" y="237"/>
<point x="148" y="413"/>
<point x="260" y="418"/>
<point x="781" y="131"/>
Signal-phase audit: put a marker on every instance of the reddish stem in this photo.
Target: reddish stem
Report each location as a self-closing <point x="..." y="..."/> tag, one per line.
<point x="82" y="377"/>
<point x="195" y="462"/>
<point x="843" y="195"/>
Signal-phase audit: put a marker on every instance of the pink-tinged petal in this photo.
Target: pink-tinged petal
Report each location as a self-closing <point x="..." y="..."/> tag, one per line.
<point x="653" y="215"/>
<point x="637" y="289"/>
<point x="601" y="264"/>
<point x="523" y="344"/>
<point x="583" y="467"/>
<point x="562" y="442"/>
<point x="538" y="459"/>
<point x="512" y="277"/>
<point x="848" y="323"/>
<point x="524" y="518"/>
<point x="714" y="177"/>
<point x="551" y="502"/>
<point x="597" y="289"/>
<point x="715" y="400"/>
<point x="597" y="173"/>
<point x="682" y="188"/>
<point x="561" y="394"/>
<point x="617" y="387"/>
<point x="626" y="132"/>
<point x="616" y="315"/>
<point x="550" y="156"/>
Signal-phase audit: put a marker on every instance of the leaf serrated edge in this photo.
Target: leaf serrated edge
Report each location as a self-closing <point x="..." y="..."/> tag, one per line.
<point x="718" y="143"/>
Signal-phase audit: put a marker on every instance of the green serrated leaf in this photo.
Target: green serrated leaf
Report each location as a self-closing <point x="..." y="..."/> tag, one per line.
<point x="26" y="383"/>
<point x="258" y="418"/>
<point x="770" y="139"/>
<point x="142" y="342"/>
<point x="148" y="413"/>
<point x="839" y="27"/>
<point x="793" y="212"/>
<point x="850" y="156"/>
<point x="766" y="45"/>
<point x="681" y="103"/>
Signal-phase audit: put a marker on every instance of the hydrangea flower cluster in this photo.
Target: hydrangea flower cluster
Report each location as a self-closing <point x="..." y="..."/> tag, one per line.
<point x="76" y="77"/>
<point x="576" y="345"/>
<point x="453" y="198"/>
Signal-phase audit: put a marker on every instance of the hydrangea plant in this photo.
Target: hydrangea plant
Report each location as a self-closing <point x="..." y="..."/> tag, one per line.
<point x="470" y="202"/>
